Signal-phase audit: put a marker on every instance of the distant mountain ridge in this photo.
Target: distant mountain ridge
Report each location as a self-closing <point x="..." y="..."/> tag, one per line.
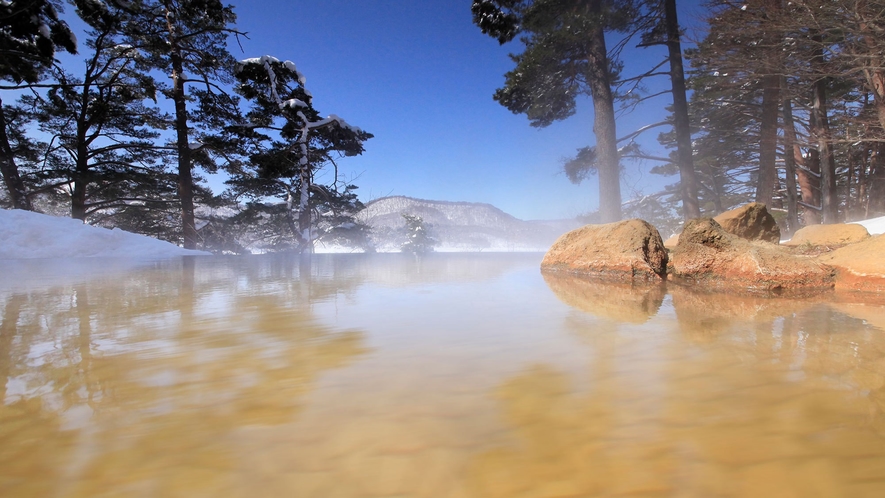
<point x="460" y="226"/>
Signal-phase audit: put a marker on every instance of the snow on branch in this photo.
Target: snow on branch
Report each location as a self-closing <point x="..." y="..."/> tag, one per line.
<point x="268" y="61"/>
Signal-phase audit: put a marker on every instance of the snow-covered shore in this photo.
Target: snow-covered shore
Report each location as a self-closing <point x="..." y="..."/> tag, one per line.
<point x="27" y="235"/>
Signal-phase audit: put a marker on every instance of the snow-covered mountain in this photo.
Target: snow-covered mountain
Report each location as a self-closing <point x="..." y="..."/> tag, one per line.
<point x="460" y="226"/>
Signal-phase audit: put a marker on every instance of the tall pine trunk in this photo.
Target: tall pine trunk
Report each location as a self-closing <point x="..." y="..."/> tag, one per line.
<point x="81" y="166"/>
<point x="604" y="129"/>
<point x="876" y="178"/>
<point x="792" y="154"/>
<point x="185" y="167"/>
<point x="14" y="185"/>
<point x="772" y="67"/>
<point x="820" y="130"/>
<point x="768" y="139"/>
<point x="687" y="179"/>
<point x="78" y="195"/>
<point x="304" y="227"/>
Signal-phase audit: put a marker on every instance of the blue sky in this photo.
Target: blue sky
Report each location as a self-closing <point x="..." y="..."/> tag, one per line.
<point x="420" y="76"/>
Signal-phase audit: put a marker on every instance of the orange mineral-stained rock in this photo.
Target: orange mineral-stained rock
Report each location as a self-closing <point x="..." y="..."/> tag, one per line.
<point x="751" y="222"/>
<point x="829" y="235"/>
<point x="629" y="250"/>
<point x="859" y="266"/>
<point x="710" y="256"/>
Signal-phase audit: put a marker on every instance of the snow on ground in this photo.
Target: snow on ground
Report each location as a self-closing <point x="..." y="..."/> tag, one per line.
<point x="24" y="234"/>
<point x="875" y="226"/>
<point x="27" y="235"/>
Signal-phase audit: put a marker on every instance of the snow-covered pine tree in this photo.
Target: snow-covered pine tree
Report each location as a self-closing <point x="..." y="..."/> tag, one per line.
<point x="290" y="148"/>
<point x="419" y="240"/>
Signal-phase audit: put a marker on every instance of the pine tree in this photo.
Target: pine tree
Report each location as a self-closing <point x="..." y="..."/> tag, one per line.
<point x="565" y="56"/>
<point x="289" y="145"/>
<point x="186" y="39"/>
<point x="30" y="34"/>
<point x="102" y="133"/>
<point x="418" y="237"/>
<point x="659" y="25"/>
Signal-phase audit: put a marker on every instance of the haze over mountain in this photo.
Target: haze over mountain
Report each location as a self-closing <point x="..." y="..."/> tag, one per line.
<point x="460" y="226"/>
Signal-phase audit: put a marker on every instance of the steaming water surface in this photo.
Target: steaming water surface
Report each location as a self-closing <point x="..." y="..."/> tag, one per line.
<point x="457" y="375"/>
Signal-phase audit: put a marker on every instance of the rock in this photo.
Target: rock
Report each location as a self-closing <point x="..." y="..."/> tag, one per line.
<point x="751" y="222"/>
<point x="624" y="251"/>
<point x="859" y="266"/>
<point x="829" y="235"/>
<point x="708" y="255"/>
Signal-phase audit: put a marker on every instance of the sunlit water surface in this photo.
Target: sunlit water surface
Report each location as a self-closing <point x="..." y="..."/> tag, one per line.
<point x="457" y="375"/>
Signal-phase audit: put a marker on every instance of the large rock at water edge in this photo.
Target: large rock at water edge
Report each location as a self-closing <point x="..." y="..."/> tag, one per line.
<point x="625" y="251"/>
<point x="751" y="222"/>
<point x="829" y="235"/>
<point x="859" y="266"/>
<point x="709" y="255"/>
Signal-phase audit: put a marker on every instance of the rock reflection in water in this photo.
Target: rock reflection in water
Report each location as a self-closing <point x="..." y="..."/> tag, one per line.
<point x="621" y="302"/>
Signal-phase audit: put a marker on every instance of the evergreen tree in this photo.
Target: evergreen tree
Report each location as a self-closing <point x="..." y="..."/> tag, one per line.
<point x="663" y="29"/>
<point x="565" y="56"/>
<point x="186" y="39"/>
<point x="418" y="237"/>
<point x="766" y="67"/>
<point x="102" y="134"/>
<point x="30" y="33"/>
<point x="289" y="147"/>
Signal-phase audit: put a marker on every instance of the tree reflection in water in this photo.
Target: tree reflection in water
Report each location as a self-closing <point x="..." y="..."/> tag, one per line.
<point x="157" y="371"/>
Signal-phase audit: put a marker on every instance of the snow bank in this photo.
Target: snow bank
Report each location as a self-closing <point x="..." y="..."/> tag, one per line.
<point x="875" y="226"/>
<point x="24" y="234"/>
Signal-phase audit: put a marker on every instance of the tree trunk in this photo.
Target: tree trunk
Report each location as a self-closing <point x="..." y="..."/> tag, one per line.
<point x="304" y="210"/>
<point x="687" y="179"/>
<point x="768" y="139"/>
<point x="185" y="168"/>
<point x="862" y="201"/>
<point x="791" y="152"/>
<point x="717" y="187"/>
<point x="820" y="128"/>
<point x="604" y="129"/>
<point x="876" y="203"/>
<point x="81" y="167"/>
<point x="809" y="184"/>
<point x="9" y="170"/>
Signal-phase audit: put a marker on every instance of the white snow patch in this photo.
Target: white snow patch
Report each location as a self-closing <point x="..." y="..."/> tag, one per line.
<point x="24" y="234"/>
<point x="293" y="103"/>
<point x="875" y="226"/>
<point x="291" y="67"/>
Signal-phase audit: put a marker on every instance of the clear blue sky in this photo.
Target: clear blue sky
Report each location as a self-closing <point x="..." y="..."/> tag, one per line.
<point x="420" y="76"/>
